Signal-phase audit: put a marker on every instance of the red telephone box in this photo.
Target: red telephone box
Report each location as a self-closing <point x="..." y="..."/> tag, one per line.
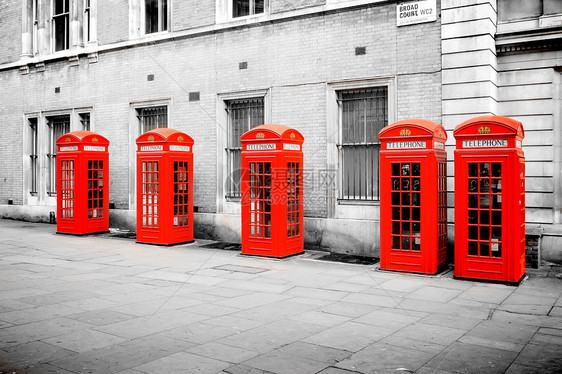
<point x="164" y="187"/>
<point x="272" y="205"/>
<point x="82" y="198"/>
<point x="413" y="196"/>
<point x="490" y="199"/>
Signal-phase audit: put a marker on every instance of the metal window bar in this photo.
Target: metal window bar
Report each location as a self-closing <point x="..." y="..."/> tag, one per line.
<point x="243" y="115"/>
<point x="33" y="156"/>
<point x="61" y="24"/>
<point x="152" y="118"/>
<point x="58" y="126"/>
<point x="363" y="113"/>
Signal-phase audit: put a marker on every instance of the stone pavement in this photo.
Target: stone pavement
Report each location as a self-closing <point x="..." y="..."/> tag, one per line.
<point x="100" y="304"/>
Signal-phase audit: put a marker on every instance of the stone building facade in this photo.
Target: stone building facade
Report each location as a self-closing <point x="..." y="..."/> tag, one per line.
<point x="335" y="70"/>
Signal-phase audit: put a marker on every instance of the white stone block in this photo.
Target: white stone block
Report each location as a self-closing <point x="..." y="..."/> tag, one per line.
<point x="465" y="90"/>
<point x="474" y="105"/>
<point x="535" y="123"/>
<point x="468" y="43"/>
<point x="471" y="28"/>
<point x="474" y="58"/>
<point x="467" y="13"/>
<point x="539" y="215"/>
<point x="447" y="4"/>
<point x="524" y="92"/>
<point x="472" y="74"/>
<point x="526" y="107"/>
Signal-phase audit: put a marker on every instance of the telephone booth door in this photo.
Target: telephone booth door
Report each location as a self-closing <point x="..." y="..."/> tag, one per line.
<point x="272" y="206"/>
<point x="413" y="200"/>
<point x="490" y="200"/>
<point x="164" y="187"/>
<point x="82" y="175"/>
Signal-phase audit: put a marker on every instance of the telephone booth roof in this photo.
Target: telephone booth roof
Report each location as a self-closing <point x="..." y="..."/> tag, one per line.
<point x="498" y="125"/>
<point x="82" y="137"/>
<point x="272" y="132"/>
<point x="414" y="128"/>
<point x="165" y="135"/>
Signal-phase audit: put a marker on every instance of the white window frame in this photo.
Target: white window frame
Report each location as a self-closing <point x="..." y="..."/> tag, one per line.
<point x="224" y="204"/>
<point x="160" y="15"/>
<point x="53" y="27"/>
<point x="346" y="208"/>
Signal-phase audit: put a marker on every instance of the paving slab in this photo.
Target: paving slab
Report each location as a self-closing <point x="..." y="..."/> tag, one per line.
<point x="501" y="335"/>
<point x="468" y="358"/>
<point x="285" y="363"/>
<point x="97" y="304"/>
<point x="349" y="336"/>
<point x="183" y="362"/>
<point x="381" y="358"/>
<point x="223" y="352"/>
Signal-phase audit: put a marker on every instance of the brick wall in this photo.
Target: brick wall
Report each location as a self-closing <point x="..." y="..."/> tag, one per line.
<point x="186" y="15"/>
<point x="10" y="30"/>
<point x="276" y="6"/>
<point x="113" y="21"/>
<point x="294" y="59"/>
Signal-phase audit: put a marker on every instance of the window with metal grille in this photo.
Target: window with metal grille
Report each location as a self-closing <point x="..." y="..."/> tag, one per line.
<point x="242" y="8"/>
<point x="85" y="121"/>
<point x="60" y="24"/>
<point x="362" y="114"/>
<point x="58" y="126"/>
<point x="243" y="115"/>
<point x="155" y="16"/>
<point x="33" y="156"/>
<point x="152" y="118"/>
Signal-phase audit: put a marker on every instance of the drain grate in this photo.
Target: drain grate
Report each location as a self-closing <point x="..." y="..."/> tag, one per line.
<point x="240" y="269"/>
<point x="224" y="245"/>
<point x="348" y="259"/>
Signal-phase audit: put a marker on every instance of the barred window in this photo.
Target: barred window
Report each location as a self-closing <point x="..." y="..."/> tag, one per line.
<point x="152" y="118"/>
<point x="243" y="115"/>
<point x="61" y="24"/>
<point x="363" y="113"/>
<point x="58" y="126"/>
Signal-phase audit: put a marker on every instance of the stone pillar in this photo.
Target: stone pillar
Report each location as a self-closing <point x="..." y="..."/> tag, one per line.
<point x="76" y="32"/>
<point x="27" y="28"/>
<point x="468" y="60"/>
<point x="43" y="27"/>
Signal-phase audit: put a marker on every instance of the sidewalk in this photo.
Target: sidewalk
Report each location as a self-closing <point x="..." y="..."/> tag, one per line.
<point x="100" y="304"/>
